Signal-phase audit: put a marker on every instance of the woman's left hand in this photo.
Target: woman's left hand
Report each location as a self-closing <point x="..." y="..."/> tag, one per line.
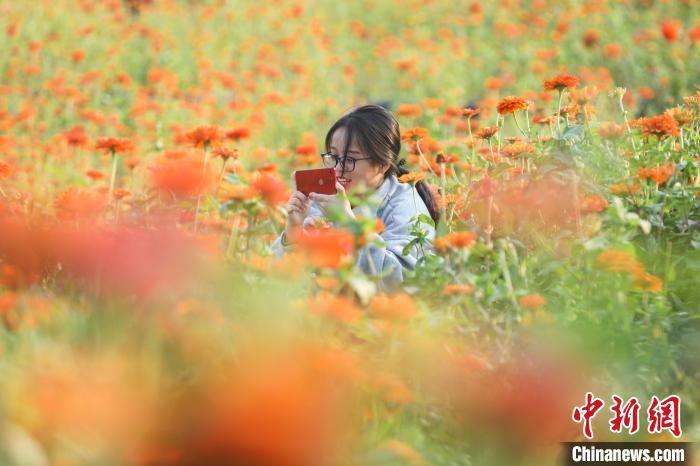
<point x="325" y="201"/>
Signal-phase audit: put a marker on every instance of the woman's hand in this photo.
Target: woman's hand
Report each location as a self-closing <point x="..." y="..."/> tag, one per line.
<point x="297" y="208"/>
<point x="325" y="201"/>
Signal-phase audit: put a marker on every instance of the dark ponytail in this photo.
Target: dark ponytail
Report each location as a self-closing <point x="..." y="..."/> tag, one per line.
<point x="377" y="133"/>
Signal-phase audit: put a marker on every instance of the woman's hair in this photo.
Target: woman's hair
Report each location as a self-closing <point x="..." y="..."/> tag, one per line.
<point x="377" y="133"/>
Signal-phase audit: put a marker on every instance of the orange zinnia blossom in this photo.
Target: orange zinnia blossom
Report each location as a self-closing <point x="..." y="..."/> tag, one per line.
<point x="647" y="282"/>
<point x="661" y="126"/>
<point x="412" y="178"/>
<point x="5" y="170"/>
<point x="593" y="204"/>
<point x="411" y="134"/>
<point x="532" y="301"/>
<point x="457" y="289"/>
<point x="614" y="260"/>
<point x="659" y="175"/>
<point x="203" y="136"/>
<point x="306" y="149"/>
<point x="115" y="145"/>
<point x="457" y="240"/>
<point x="271" y="188"/>
<point x="95" y="174"/>
<point x="225" y="153"/>
<point x="511" y="104"/>
<point x="409" y="110"/>
<point x="671" y="30"/>
<point x="76" y="137"/>
<point x="487" y="132"/>
<point x="622" y="189"/>
<point x="238" y="133"/>
<point x="182" y="177"/>
<point x="74" y="204"/>
<point x="393" y="307"/>
<point x="328" y="248"/>
<point x="560" y="82"/>
<point x="236" y="192"/>
<point x="470" y="112"/>
<point x="611" y="131"/>
<point x="337" y="307"/>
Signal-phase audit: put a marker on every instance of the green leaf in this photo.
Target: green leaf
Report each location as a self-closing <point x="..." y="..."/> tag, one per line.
<point x="407" y="249"/>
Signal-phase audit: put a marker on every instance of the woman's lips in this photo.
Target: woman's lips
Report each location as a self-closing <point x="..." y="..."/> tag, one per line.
<point x="344" y="181"/>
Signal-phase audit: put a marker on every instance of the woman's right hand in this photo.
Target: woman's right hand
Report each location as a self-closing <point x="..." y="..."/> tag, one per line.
<point x="297" y="209"/>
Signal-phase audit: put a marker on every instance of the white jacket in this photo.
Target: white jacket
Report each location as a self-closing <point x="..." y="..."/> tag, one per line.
<point x="397" y="205"/>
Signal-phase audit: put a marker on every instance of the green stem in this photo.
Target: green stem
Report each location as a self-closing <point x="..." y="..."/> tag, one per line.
<point x="114" y="175"/>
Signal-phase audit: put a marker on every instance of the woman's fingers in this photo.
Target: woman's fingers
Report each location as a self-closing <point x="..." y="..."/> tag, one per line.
<point x="295" y="204"/>
<point x="298" y="195"/>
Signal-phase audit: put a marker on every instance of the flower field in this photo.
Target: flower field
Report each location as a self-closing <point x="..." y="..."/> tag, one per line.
<point x="146" y="156"/>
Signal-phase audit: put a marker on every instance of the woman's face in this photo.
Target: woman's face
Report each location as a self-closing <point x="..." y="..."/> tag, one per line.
<point x="364" y="173"/>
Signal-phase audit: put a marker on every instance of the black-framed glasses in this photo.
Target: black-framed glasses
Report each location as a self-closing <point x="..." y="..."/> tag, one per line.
<point x="347" y="163"/>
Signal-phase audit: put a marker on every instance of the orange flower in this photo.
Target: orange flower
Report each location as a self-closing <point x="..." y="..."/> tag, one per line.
<point x="74" y="204"/>
<point x="393" y="307"/>
<point x="271" y="188"/>
<point x="682" y="115"/>
<point x="413" y="134"/>
<point x="95" y="175"/>
<point x="511" y="104"/>
<point x="306" y="149"/>
<point x="614" y="260"/>
<point x="671" y="30"/>
<point x="329" y="248"/>
<point x="470" y="112"/>
<point x="611" y="131"/>
<point x="659" y="175"/>
<point x="560" y="82"/>
<point x="647" y="282"/>
<point x="236" y="192"/>
<point x="412" y="178"/>
<point x="409" y="110"/>
<point x="486" y="132"/>
<point x="121" y="194"/>
<point x="519" y="148"/>
<point x="203" y="136"/>
<point x="457" y="289"/>
<point x="182" y="177"/>
<point x="660" y="126"/>
<point x="239" y="133"/>
<point x="76" y="137"/>
<point x="456" y="240"/>
<point x="225" y="153"/>
<point x="5" y="170"/>
<point x="337" y="307"/>
<point x="532" y="301"/>
<point x="115" y="145"/>
<point x="542" y="119"/>
<point x="622" y="188"/>
<point x="593" y="204"/>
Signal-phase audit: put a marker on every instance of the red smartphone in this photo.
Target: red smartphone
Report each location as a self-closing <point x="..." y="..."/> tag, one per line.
<point x="317" y="180"/>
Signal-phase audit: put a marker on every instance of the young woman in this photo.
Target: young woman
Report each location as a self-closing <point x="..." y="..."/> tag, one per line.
<point x="363" y="146"/>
